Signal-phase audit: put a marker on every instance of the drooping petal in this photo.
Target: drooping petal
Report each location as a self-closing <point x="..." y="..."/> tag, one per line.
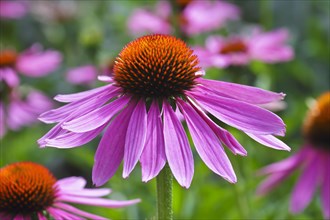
<point x="98" y="201"/>
<point x="111" y="146"/>
<point x="97" y="117"/>
<point x="285" y="165"/>
<point x="306" y="185"/>
<point x="224" y="136"/>
<point x="82" y="75"/>
<point x="243" y="93"/>
<point x="41" y="216"/>
<point x="272" y="181"/>
<point x="71" y="139"/>
<point x="207" y="144"/>
<point x="59" y="214"/>
<point x="241" y="115"/>
<point x="38" y="64"/>
<point x="269" y="141"/>
<point x="79" y="212"/>
<point x="9" y="76"/>
<point x="177" y="149"/>
<point x="135" y="137"/>
<point x="325" y="190"/>
<point x="78" y="108"/>
<point x="3" y="128"/>
<point x="81" y="95"/>
<point x="153" y="157"/>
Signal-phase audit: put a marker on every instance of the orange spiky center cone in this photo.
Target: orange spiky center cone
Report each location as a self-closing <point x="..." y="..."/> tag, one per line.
<point x="234" y="46"/>
<point x="26" y="188"/>
<point x="156" y="66"/>
<point x="7" y="58"/>
<point x="317" y="124"/>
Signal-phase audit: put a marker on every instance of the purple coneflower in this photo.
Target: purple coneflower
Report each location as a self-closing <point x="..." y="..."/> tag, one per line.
<point x="313" y="158"/>
<point x="29" y="191"/>
<point x="268" y="47"/>
<point x="154" y="76"/>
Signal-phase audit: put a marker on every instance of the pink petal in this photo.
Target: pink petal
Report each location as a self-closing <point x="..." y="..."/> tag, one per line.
<point x="41" y="216"/>
<point x="59" y="214"/>
<point x="71" y="139"/>
<point x="78" y="211"/>
<point x="9" y="76"/>
<point x="3" y="129"/>
<point x="19" y="217"/>
<point x="71" y="183"/>
<point x="224" y="136"/>
<point x="207" y="143"/>
<point x="86" y="192"/>
<point x="135" y="137"/>
<point x="241" y="115"/>
<point x="81" y="95"/>
<point x="272" y="181"/>
<point x="325" y="190"/>
<point x="111" y="146"/>
<point x="96" y="118"/>
<point x="77" y="108"/>
<point x="239" y="92"/>
<point x="306" y="185"/>
<point x="177" y="149"/>
<point x="269" y="141"/>
<point x="98" y="201"/>
<point x="82" y="75"/>
<point x="38" y="64"/>
<point x="153" y="157"/>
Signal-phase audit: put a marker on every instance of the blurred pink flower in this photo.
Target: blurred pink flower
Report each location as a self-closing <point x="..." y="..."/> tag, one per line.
<point x="143" y="21"/>
<point x="268" y="47"/>
<point x="12" y="9"/>
<point x="33" y="62"/>
<point x="203" y="16"/>
<point x="16" y="111"/>
<point x="30" y="191"/>
<point x="313" y="159"/>
<point x="82" y="75"/>
<point x="154" y="77"/>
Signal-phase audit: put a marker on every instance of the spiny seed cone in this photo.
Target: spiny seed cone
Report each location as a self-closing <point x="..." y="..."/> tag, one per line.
<point x="156" y="66"/>
<point x="317" y="124"/>
<point x="26" y="188"/>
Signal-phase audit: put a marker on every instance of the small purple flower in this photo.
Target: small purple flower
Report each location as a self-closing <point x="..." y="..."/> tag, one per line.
<point x="143" y="21"/>
<point x="12" y="9"/>
<point x="313" y="159"/>
<point x="268" y="47"/>
<point x="82" y="75"/>
<point x="203" y="16"/>
<point x="28" y="191"/>
<point x="154" y="77"/>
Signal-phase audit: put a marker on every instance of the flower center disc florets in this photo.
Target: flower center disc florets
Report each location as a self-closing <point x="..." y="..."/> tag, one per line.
<point x="156" y="66"/>
<point x="25" y="188"/>
<point x="317" y="124"/>
<point x="7" y="58"/>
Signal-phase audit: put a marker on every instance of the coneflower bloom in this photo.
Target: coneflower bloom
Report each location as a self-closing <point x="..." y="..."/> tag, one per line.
<point x="268" y="47"/>
<point x="30" y="191"/>
<point x="313" y="158"/>
<point x="154" y="76"/>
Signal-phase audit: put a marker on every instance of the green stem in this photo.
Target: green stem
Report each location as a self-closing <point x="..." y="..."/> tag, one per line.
<point x="164" y="194"/>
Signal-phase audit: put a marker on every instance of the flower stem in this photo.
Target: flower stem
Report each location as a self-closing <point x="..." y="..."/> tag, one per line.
<point x="164" y="194"/>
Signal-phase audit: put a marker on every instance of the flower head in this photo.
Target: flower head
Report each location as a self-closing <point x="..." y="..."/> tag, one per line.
<point x="154" y="76"/>
<point x="268" y="47"/>
<point x="313" y="158"/>
<point x="28" y="189"/>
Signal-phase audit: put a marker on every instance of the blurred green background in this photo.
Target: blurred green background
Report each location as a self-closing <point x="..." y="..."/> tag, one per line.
<point x="97" y="31"/>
